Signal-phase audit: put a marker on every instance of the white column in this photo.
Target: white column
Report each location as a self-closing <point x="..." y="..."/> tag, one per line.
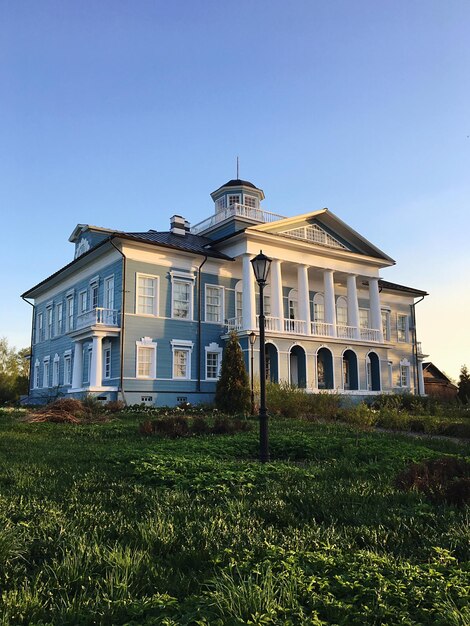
<point x="77" y="372"/>
<point x="96" y="374"/>
<point x="304" y="296"/>
<point x="277" y="301"/>
<point x="248" y="299"/>
<point x="374" y="303"/>
<point x="330" y="308"/>
<point x="419" y="365"/>
<point x="353" y="305"/>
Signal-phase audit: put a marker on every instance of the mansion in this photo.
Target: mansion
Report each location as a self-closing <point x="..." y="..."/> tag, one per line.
<point x="144" y="316"/>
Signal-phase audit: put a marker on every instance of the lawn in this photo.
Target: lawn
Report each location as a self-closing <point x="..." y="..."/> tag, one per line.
<point x="101" y="525"/>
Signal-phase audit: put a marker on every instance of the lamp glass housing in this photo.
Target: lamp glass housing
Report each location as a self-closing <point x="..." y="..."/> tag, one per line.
<point x="261" y="266"/>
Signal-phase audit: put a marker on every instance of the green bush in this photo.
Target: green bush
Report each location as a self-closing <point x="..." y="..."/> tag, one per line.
<point x="291" y="402"/>
<point x="359" y="415"/>
<point x="233" y="389"/>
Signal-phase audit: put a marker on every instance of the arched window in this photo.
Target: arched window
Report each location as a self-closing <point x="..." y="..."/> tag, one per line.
<point x="342" y="311"/>
<point x="319" y="307"/>
<point x="293" y="305"/>
<point x="239" y="299"/>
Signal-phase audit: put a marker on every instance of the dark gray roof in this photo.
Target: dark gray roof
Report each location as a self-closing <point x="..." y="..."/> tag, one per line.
<point x="237" y="182"/>
<point x="187" y="242"/>
<point x="385" y="284"/>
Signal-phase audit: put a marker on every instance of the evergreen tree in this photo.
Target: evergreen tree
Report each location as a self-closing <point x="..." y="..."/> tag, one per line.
<point x="464" y="385"/>
<point x="233" y="388"/>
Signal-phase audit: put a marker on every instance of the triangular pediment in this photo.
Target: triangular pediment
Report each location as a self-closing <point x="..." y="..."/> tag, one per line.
<point x="322" y="228"/>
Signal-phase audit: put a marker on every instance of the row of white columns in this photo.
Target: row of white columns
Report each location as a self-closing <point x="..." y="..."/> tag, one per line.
<point x="96" y="371"/>
<point x="277" y="306"/>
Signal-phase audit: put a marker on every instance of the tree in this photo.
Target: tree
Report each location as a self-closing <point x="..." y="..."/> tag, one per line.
<point x="464" y="385"/>
<point x="233" y="388"/>
<point x="14" y="372"/>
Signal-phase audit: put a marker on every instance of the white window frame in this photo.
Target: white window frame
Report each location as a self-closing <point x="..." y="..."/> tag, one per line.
<point x="406" y="328"/>
<point x="49" y="325"/>
<point x="46" y="366"/>
<point x="55" y="370"/>
<point x="239" y="299"/>
<point x="94" y="289"/>
<point x="82" y="301"/>
<point x="220" y="203"/>
<point x="390" y="374"/>
<point x="318" y="304"/>
<point x="213" y="348"/>
<point x="405" y="368"/>
<point x="361" y="317"/>
<point x="146" y="343"/>
<point x="68" y="367"/>
<point x="231" y="199"/>
<point x="40" y="327"/>
<point x="156" y="291"/>
<point x="220" y="306"/>
<point x="182" y="345"/>
<point x="69" y="312"/>
<point x="188" y="279"/>
<point x="36" y="374"/>
<point x="253" y="199"/>
<point x="293" y="304"/>
<point x="106" y="349"/>
<point x="87" y="354"/>
<point x="108" y="289"/>
<point x="59" y="319"/>
<point x="342" y="304"/>
<point x="386" y="328"/>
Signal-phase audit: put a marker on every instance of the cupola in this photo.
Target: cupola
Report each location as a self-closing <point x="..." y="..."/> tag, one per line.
<point x="237" y="192"/>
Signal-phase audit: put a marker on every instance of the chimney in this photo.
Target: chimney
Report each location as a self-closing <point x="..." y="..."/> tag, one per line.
<point x="178" y="225"/>
<point x="187" y="226"/>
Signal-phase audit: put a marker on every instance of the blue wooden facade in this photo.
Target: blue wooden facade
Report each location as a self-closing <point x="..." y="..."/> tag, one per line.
<point x="144" y="316"/>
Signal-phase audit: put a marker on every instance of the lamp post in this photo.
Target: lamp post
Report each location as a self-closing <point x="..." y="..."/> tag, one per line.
<point x="261" y="265"/>
<point x="252" y="338"/>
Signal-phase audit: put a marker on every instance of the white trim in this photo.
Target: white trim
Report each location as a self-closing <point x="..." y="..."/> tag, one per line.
<point x="406" y="329"/>
<point x="185" y="279"/>
<point x="107" y="347"/>
<point x="214" y="348"/>
<point x="56" y="372"/>
<point x="182" y="345"/>
<point x="81" y="309"/>
<point x="68" y="359"/>
<point x="146" y="342"/>
<point x="108" y="279"/>
<point x="182" y="275"/>
<point x="220" y="288"/>
<point x="95" y="279"/>
<point x="156" y="296"/>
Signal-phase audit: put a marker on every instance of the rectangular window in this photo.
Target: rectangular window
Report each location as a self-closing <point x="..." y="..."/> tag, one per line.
<point x="267" y="304"/>
<point x="386" y="324"/>
<point x="220" y="204"/>
<point x="146" y="359"/>
<point x="364" y="318"/>
<point x="94" y="289"/>
<point x="49" y="322"/>
<point x="55" y="372"/>
<point x="69" y="313"/>
<point x="146" y="295"/>
<point x="87" y="353"/>
<point x="182" y="299"/>
<point x="45" y="374"/>
<point x="109" y="292"/>
<point x="319" y="311"/>
<point x="82" y="302"/>
<point x="107" y="362"/>
<point x="212" y="365"/>
<point x="59" y="312"/>
<point x="239" y="303"/>
<point x="390" y="374"/>
<point x="214" y="304"/>
<point x="40" y="327"/>
<point x="36" y="375"/>
<point x="404" y="375"/>
<point x="250" y="201"/>
<point x="233" y="200"/>
<point x="67" y="369"/>
<point x="402" y="327"/>
<point x="342" y="315"/>
<point x="181" y="363"/>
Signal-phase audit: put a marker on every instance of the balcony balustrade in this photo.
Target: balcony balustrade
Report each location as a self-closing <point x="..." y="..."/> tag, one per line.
<point x="322" y="329"/>
<point x="98" y="317"/>
<point x="236" y="210"/>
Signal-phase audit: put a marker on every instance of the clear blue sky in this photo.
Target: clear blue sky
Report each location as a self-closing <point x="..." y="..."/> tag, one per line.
<point x="121" y="114"/>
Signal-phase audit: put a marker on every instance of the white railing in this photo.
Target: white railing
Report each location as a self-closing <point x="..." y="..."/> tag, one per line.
<point x="346" y="332"/>
<point x="370" y="334"/>
<point x="235" y="323"/>
<point x="236" y="210"/>
<point x="298" y="327"/>
<point x="270" y="323"/>
<point x="322" y="329"/>
<point x="101" y="316"/>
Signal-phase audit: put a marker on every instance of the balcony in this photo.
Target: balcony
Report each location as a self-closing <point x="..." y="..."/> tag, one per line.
<point x="236" y="210"/>
<point x="317" y="329"/>
<point x="98" y="317"/>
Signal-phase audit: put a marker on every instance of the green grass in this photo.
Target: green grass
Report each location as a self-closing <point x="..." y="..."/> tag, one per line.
<point x="99" y="525"/>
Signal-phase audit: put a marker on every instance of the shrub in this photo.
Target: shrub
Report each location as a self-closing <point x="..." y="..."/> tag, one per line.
<point x="359" y="415"/>
<point x="172" y="427"/>
<point x="146" y="428"/>
<point x="199" y="426"/>
<point x="393" y="419"/>
<point x="461" y="430"/>
<point x="324" y="406"/>
<point x="286" y="400"/>
<point x="445" y="479"/>
<point x="233" y="390"/>
<point x="115" y="406"/>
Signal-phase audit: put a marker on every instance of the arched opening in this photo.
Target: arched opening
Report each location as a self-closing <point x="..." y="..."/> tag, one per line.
<point x="239" y="300"/>
<point x="350" y="371"/>
<point x="298" y="367"/>
<point x="319" y="307"/>
<point x="272" y="363"/>
<point x="293" y="305"/>
<point x="373" y="372"/>
<point x="325" y="378"/>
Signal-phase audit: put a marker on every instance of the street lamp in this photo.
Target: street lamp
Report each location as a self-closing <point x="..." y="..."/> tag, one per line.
<point x="261" y="265"/>
<point x="252" y="338"/>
